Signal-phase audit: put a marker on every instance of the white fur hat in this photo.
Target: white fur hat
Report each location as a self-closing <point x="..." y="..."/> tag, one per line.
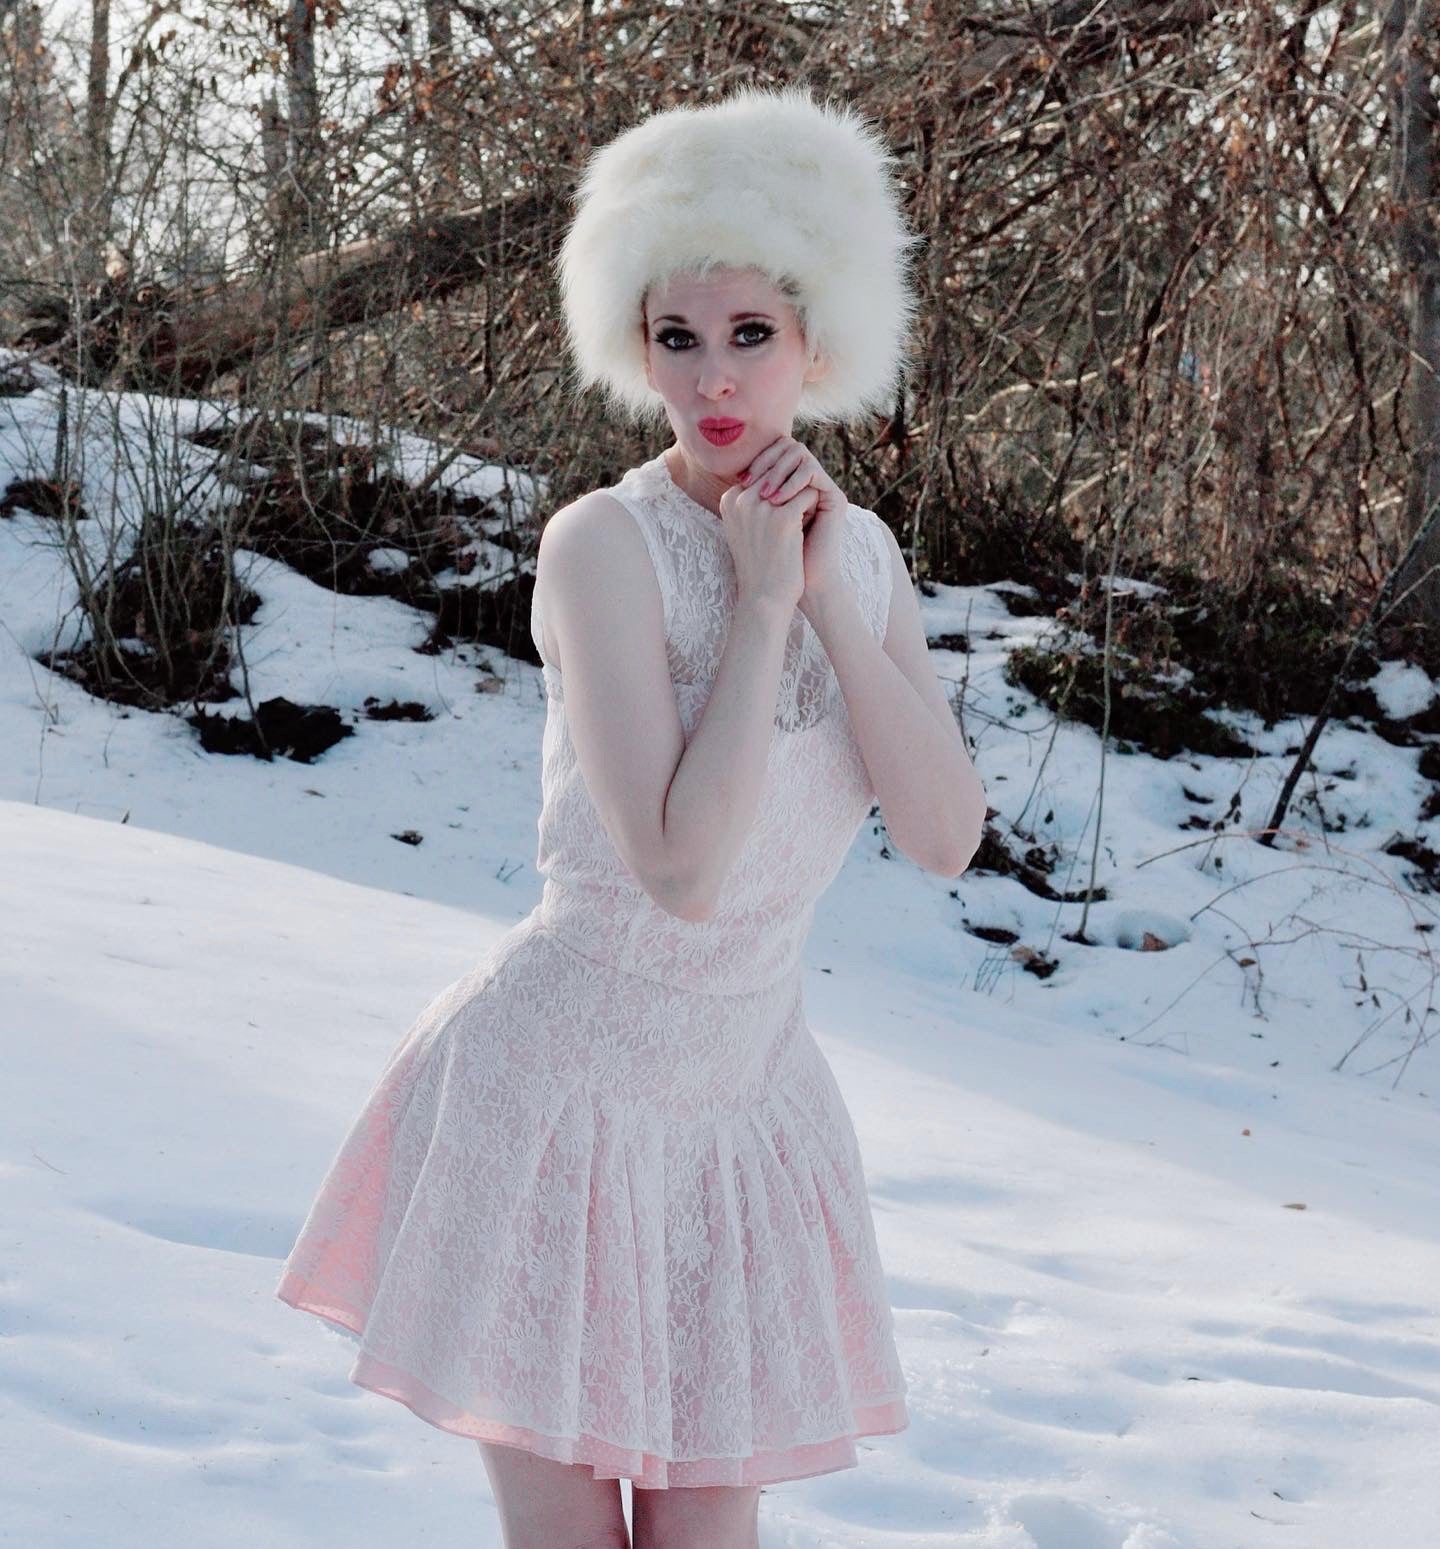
<point x="764" y="179"/>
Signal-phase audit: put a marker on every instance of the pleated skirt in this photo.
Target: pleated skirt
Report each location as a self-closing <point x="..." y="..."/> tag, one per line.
<point x="614" y="1222"/>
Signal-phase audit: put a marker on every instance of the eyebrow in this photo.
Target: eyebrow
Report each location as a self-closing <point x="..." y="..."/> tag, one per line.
<point x="735" y="317"/>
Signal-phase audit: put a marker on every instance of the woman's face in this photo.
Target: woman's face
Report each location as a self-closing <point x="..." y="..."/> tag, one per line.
<point x="726" y="348"/>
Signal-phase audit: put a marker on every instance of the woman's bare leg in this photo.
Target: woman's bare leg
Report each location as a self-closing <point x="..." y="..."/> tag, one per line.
<point x="709" y="1517"/>
<point x="548" y="1505"/>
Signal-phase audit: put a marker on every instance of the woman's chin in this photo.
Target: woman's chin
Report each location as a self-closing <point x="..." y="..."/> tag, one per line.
<point x="717" y="460"/>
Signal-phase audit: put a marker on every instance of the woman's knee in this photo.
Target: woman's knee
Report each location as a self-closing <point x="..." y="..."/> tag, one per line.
<point x="708" y="1517"/>
<point x="544" y="1504"/>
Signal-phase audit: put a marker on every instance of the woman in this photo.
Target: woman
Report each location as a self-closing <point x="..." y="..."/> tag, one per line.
<point x="605" y="1211"/>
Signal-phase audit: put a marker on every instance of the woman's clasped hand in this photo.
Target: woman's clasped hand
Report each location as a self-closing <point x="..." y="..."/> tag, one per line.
<point x="783" y="518"/>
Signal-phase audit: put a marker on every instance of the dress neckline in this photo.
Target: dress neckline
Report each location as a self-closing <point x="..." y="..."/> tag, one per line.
<point x="662" y="466"/>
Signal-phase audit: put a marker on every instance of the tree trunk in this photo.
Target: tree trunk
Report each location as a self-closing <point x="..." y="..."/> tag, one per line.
<point x="95" y="178"/>
<point x="1411" y="55"/>
<point x="308" y="203"/>
<point x="181" y="342"/>
<point x="441" y="123"/>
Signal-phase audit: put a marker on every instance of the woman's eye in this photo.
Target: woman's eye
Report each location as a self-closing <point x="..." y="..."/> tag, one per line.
<point x="761" y="331"/>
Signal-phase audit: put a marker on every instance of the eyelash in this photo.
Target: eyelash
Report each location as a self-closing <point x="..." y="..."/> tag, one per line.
<point x="763" y="329"/>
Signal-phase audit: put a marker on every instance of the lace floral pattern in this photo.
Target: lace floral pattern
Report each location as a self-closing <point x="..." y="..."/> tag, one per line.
<point x="817" y="789"/>
<point x="605" y="1200"/>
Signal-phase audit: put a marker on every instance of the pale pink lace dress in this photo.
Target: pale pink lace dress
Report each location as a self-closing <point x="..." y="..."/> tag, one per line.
<point x="605" y="1201"/>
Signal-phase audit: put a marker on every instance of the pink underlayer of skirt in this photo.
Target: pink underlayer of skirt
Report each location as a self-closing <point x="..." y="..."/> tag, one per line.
<point x="882" y="1416"/>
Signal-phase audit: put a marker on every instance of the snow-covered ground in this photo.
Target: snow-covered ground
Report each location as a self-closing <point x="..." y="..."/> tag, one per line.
<point x="1164" y="1276"/>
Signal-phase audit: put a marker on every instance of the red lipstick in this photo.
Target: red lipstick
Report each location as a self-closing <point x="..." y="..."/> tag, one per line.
<point x="721" y="432"/>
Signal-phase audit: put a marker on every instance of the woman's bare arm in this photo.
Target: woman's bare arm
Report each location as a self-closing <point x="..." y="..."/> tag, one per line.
<point x="678" y="815"/>
<point x="929" y="792"/>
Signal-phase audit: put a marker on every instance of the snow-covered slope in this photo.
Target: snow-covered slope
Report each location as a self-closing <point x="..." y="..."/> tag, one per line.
<point x="1164" y="1277"/>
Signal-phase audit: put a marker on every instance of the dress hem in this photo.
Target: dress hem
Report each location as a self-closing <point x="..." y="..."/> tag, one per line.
<point x="881" y="1415"/>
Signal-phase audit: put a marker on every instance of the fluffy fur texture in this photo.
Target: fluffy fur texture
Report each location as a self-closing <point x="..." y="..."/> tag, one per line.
<point x="766" y="179"/>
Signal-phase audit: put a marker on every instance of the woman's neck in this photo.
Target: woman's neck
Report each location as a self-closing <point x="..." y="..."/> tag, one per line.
<point x="700" y="484"/>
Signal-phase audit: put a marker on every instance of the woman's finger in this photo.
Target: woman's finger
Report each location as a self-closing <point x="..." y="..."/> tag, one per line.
<point x="764" y="462"/>
<point x="803" y="475"/>
<point x="773" y="471"/>
<point x="787" y="489"/>
<point x="784" y="472"/>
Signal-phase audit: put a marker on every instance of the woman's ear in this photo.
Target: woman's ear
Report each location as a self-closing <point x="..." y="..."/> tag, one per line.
<point x="645" y="351"/>
<point x="818" y="365"/>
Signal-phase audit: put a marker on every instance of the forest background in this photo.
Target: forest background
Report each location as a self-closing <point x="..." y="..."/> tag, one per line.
<point x="1181" y="310"/>
<point x="284" y="403"/>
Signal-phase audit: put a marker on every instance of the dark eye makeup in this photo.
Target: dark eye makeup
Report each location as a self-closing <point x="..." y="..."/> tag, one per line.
<point x="764" y="330"/>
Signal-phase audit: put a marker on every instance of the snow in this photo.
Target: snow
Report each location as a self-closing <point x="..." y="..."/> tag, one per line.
<point x="1403" y="689"/>
<point x="1160" y="1226"/>
<point x="388" y="561"/>
<point x="1122" y="586"/>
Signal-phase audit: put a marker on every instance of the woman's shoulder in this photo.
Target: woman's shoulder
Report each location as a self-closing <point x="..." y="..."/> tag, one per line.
<point x="592" y="556"/>
<point x="590" y="527"/>
<point x="863" y="516"/>
<point x="602" y="542"/>
<point x="873" y="530"/>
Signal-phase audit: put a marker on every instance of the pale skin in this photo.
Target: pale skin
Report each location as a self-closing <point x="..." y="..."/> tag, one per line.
<point x="731" y="346"/>
<point x="679" y="815"/>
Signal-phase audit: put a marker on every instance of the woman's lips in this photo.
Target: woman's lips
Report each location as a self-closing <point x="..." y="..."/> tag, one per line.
<point x="721" y="432"/>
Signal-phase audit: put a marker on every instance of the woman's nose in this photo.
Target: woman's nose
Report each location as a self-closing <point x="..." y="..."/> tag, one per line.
<point x="715" y="382"/>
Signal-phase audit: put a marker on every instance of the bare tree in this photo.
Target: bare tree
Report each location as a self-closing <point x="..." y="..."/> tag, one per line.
<point x="1412" y="59"/>
<point x="1156" y="272"/>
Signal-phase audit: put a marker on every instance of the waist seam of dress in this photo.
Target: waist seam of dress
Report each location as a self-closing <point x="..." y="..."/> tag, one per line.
<point x="793" y="971"/>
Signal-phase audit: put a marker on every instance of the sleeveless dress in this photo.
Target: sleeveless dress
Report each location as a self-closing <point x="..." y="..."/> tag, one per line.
<point x="605" y="1201"/>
